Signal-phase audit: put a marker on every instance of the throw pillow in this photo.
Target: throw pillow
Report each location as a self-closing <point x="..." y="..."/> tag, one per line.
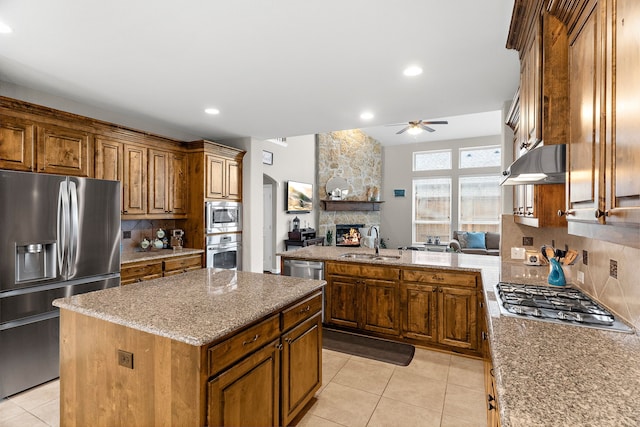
<point x="462" y="238"/>
<point x="476" y="240"/>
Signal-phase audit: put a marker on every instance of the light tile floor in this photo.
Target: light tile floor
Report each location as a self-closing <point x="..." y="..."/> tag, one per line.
<point x="436" y="389"/>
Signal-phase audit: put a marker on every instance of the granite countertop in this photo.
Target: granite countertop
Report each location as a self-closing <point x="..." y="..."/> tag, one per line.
<point x="196" y="307"/>
<point x="155" y="254"/>
<point x="547" y="374"/>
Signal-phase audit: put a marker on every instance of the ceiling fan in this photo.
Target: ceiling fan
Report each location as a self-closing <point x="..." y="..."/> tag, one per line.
<point x="417" y="126"/>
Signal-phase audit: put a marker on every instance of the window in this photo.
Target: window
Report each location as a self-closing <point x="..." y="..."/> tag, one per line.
<point x="432" y="160"/>
<point x="480" y="205"/>
<point x="480" y="157"/>
<point x="431" y="208"/>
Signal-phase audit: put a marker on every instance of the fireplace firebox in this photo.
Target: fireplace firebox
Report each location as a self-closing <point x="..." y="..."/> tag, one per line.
<point x="348" y="234"/>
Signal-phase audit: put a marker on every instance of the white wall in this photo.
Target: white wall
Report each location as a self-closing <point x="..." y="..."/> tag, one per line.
<point x="63" y="104"/>
<point x="295" y="162"/>
<point x="397" y="173"/>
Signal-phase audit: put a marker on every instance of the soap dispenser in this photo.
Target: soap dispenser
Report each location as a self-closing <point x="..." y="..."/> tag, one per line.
<point x="556" y="274"/>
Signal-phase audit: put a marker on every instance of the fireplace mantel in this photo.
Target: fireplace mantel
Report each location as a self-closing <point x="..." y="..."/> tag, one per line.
<point x="351" y="205"/>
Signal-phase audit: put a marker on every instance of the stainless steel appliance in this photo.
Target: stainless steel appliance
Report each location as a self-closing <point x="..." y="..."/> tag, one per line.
<point x="223" y="217"/>
<point x="61" y="237"/>
<point x="556" y="304"/>
<point x="224" y="251"/>
<point x="306" y="270"/>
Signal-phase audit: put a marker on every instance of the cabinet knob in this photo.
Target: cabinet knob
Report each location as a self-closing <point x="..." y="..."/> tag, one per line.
<point x="440" y="290"/>
<point x="600" y="213"/>
<point x="525" y="144"/>
<point x="279" y="346"/>
<point x="434" y="290"/>
<point x="567" y="212"/>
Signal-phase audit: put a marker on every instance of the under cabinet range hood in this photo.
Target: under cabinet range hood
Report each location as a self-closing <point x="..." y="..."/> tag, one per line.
<point x="544" y="164"/>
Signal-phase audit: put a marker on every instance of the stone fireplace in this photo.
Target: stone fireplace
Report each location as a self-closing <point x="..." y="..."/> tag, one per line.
<point x="348" y="234"/>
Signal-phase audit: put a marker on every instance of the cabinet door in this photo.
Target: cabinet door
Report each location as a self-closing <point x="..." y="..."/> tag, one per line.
<point x="16" y="144"/>
<point x="342" y="301"/>
<point x="419" y="316"/>
<point x="247" y="394"/>
<point x="178" y="192"/>
<point x="134" y="182"/>
<point x="158" y="183"/>
<point x="583" y="151"/>
<point x="381" y="311"/>
<point x="64" y="151"/>
<point x="623" y="135"/>
<point x="215" y="174"/>
<point x="109" y="162"/>
<point x="234" y="180"/>
<point x="458" y="317"/>
<point x="301" y="366"/>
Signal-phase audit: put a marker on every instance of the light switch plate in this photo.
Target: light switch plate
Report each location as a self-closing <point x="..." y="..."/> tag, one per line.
<point x="517" y="253"/>
<point x="580" y="277"/>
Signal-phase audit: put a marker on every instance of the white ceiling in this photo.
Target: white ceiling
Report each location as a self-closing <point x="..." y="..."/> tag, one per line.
<point x="273" y="68"/>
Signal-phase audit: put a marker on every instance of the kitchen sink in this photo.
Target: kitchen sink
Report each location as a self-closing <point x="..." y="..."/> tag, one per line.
<point x="373" y="257"/>
<point x="358" y="256"/>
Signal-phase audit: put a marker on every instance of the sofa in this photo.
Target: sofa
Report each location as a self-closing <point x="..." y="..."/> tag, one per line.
<point x="479" y="243"/>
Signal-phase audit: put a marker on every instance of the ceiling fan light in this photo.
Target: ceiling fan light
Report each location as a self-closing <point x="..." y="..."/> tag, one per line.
<point x="414" y="130"/>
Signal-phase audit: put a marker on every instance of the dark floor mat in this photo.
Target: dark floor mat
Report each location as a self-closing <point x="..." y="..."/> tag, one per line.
<point x="371" y="348"/>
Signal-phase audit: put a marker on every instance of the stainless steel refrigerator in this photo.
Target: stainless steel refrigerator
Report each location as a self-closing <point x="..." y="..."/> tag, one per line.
<point x="59" y="236"/>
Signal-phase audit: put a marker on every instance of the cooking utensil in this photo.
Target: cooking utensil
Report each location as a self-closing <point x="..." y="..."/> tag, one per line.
<point x="570" y="257"/>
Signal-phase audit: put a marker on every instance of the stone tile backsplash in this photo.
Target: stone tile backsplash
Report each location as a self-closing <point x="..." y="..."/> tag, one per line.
<point x="620" y="293"/>
<point x="140" y="229"/>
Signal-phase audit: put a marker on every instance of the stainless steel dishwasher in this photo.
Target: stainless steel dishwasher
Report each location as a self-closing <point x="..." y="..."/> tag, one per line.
<point x="305" y="270"/>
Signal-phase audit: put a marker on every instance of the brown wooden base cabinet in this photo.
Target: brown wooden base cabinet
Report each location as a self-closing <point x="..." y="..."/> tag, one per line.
<point x="261" y="375"/>
<point x="423" y="306"/>
<point x="153" y="269"/>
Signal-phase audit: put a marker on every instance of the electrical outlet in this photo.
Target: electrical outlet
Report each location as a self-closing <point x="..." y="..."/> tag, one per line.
<point x="126" y="234"/>
<point x="580" y="277"/>
<point x="527" y="241"/>
<point x="125" y="359"/>
<point x="613" y="268"/>
<point x="517" y="253"/>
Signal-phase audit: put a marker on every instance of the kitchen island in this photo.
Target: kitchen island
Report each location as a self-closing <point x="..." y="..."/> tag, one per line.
<point x="545" y="374"/>
<point x="193" y="349"/>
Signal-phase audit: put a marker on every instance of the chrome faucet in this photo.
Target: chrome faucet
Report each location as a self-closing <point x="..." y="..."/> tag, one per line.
<point x="376" y="241"/>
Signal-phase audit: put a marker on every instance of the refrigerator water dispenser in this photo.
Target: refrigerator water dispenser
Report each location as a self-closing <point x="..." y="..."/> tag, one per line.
<point x="35" y="261"/>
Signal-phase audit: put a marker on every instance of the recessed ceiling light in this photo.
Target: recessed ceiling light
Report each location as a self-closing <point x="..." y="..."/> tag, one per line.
<point x="212" y="111"/>
<point x="412" y="71"/>
<point x="367" y="115"/>
<point x="5" y="29"/>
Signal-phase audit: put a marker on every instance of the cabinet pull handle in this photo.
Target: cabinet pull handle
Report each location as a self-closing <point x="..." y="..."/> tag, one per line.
<point x="304" y="310"/>
<point x="490" y="398"/>
<point x="484" y="336"/>
<point x="279" y="346"/>
<point x="491" y="407"/>
<point x="600" y="213"/>
<point x="255" y="338"/>
<point x="436" y="277"/>
<point x="567" y="212"/>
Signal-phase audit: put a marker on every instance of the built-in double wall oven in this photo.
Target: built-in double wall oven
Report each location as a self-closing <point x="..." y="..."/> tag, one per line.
<point x="223" y="222"/>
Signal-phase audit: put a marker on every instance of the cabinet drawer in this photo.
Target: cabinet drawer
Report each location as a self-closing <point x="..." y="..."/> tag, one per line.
<point x="363" y="270"/>
<point x="140" y="270"/>
<point x="183" y="263"/>
<point x="436" y="277"/>
<point x="243" y="343"/>
<point x="301" y="311"/>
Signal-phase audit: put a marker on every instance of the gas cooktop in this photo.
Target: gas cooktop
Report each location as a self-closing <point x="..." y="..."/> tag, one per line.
<point x="558" y="305"/>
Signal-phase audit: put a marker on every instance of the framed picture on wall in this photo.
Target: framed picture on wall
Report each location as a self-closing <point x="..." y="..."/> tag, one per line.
<point x="267" y="157"/>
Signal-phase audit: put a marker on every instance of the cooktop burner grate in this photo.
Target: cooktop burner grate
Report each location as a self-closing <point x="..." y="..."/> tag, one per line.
<point x="560" y="305"/>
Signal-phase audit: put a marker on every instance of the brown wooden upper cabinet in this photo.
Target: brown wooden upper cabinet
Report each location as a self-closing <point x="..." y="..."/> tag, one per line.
<point x="223" y="178"/>
<point x="17" y="139"/>
<point x="540" y="107"/>
<point x="64" y="151"/>
<point x="167" y="183"/>
<point x="605" y="132"/>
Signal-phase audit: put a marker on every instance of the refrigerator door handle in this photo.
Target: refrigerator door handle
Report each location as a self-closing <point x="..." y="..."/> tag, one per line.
<point x="62" y="226"/>
<point x="74" y="229"/>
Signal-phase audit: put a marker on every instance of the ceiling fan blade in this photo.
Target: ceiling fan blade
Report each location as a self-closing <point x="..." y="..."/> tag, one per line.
<point x="427" y="128"/>
<point x="403" y="130"/>
<point x="436" y="122"/>
<point x="398" y="124"/>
